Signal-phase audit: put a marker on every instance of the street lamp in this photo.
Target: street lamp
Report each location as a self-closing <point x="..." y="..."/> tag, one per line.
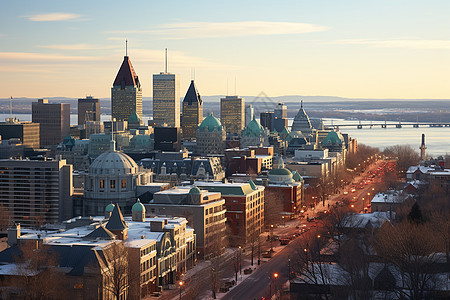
<point x="181" y="285"/>
<point x="271" y="238"/>
<point x="240" y="260"/>
<point x="275" y="275"/>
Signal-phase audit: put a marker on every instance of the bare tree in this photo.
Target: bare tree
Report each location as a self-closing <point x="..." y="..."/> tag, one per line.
<point x="412" y="249"/>
<point x="354" y="260"/>
<point x="405" y="154"/>
<point x="4" y="218"/>
<point x="219" y="243"/>
<point x="114" y="259"/>
<point x="253" y="240"/>
<point x="38" y="277"/>
<point x="273" y="206"/>
<point x="310" y="266"/>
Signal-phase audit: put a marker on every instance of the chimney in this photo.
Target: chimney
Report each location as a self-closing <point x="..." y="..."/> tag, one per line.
<point x="157" y="225"/>
<point x="13" y="235"/>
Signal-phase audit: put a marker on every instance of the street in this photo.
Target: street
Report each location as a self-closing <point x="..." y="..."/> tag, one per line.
<point x="262" y="282"/>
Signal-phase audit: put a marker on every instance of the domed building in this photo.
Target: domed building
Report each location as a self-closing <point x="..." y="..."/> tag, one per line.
<point x="254" y="135"/>
<point x="112" y="178"/>
<point x="210" y="136"/>
<point x="285" y="189"/>
<point x="334" y="142"/>
<point x="138" y="212"/>
<point x="279" y="174"/>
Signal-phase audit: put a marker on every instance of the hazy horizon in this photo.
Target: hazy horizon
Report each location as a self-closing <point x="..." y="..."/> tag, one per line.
<point x="350" y="49"/>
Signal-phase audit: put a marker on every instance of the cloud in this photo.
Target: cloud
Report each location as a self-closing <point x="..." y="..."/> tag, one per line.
<point x="80" y="47"/>
<point x="53" y="17"/>
<point x="11" y="57"/>
<point x="398" y="43"/>
<point x="189" y="30"/>
<point x="176" y="59"/>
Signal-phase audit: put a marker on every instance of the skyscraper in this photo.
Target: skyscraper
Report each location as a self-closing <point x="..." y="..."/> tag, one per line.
<point x="232" y="113"/>
<point x="249" y="113"/>
<point x="27" y="132"/>
<point x="88" y="110"/>
<point x="126" y="93"/>
<point x="54" y="120"/>
<point x="36" y="192"/>
<point x="166" y="98"/>
<point x="192" y="112"/>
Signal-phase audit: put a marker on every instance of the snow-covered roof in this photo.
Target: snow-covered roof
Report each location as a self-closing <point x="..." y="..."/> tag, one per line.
<point x="374" y="219"/>
<point x="422" y="169"/>
<point x="387" y="198"/>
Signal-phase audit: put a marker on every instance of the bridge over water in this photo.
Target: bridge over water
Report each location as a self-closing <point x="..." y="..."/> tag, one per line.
<point x="390" y="124"/>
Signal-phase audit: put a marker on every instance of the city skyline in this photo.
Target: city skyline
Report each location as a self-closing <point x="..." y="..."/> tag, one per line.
<point x="381" y="49"/>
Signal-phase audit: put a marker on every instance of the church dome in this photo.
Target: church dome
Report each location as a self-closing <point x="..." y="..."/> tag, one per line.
<point x="333" y="138"/>
<point x="194" y="191"/>
<point x="253" y="129"/>
<point x="138" y="206"/>
<point x="133" y="118"/>
<point x="109" y="207"/>
<point x="113" y="162"/>
<point x="210" y="123"/>
<point x="281" y="171"/>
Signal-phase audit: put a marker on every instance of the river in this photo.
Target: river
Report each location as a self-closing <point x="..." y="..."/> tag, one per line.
<point x="437" y="138"/>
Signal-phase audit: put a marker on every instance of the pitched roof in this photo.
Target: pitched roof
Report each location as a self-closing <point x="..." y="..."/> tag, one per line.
<point x="116" y="221"/>
<point x="126" y="75"/>
<point x="101" y="233"/>
<point x="192" y="94"/>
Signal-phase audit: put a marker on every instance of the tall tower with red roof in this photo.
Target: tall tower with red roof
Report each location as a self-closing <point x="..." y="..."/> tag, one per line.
<point x="126" y="93"/>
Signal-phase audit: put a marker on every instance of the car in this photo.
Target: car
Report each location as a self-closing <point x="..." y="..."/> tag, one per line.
<point x="345" y="193"/>
<point x="353" y="190"/>
<point x="267" y="254"/>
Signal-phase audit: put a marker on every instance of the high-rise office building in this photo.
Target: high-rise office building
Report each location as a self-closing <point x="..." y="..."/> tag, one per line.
<point x="192" y="112"/>
<point x="126" y="93"/>
<point x="36" y="192"/>
<point x="26" y="132"/>
<point x="249" y="113"/>
<point x="88" y="110"/>
<point x="166" y="98"/>
<point x="266" y="119"/>
<point x="54" y="120"/>
<point x="232" y="114"/>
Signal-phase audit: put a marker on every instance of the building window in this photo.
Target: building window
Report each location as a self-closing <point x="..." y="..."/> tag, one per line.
<point x="102" y="184"/>
<point x="124" y="183"/>
<point x="112" y="184"/>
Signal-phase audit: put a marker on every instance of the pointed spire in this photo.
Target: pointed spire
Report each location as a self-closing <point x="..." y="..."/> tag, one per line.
<point x="192" y="95"/>
<point x="116" y="221"/>
<point x="301" y="103"/>
<point x="126" y="75"/>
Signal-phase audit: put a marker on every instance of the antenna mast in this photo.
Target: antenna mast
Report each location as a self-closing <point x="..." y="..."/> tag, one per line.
<point x="126" y="47"/>
<point x="10" y="107"/>
<point x="166" y="60"/>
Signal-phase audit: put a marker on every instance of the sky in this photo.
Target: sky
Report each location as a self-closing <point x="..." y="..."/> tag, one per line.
<point x="355" y="49"/>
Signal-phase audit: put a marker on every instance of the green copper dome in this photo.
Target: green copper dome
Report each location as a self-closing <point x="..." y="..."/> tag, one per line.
<point x="333" y="138"/>
<point x="138" y="206"/>
<point x="133" y="118"/>
<point x="281" y="171"/>
<point x="297" y="177"/>
<point x="253" y="129"/>
<point x="210" y="123"/>
<point x="194" y="191"/>
<point x="110" y="207"/>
